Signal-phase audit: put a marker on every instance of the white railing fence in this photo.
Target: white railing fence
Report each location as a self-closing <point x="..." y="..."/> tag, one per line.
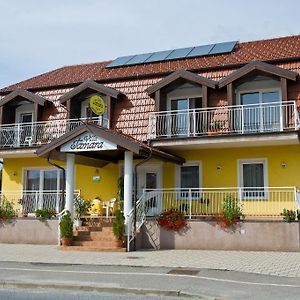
<point x="30" y="201"/>
<point x="238" y="119"/>
<point x="40" y="133"/>
<point x="255" y="202"/>
<point x="135" y="220"/>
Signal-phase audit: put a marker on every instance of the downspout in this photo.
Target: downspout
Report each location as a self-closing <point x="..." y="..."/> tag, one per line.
<point x="64" y="177"/>
<point x="135" y="193"/>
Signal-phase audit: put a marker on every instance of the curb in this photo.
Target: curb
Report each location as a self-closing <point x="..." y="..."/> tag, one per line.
<point x="92" y="288"/>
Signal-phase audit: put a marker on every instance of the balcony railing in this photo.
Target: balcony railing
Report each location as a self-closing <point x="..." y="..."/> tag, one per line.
<point x="255" y="202"/>
<point x="35" y="134"/>
<point x="238" y="119"/>
<point x="29" y="201"/>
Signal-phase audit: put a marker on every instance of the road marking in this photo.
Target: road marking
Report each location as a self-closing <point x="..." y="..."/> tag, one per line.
<point x="152" y="274"/>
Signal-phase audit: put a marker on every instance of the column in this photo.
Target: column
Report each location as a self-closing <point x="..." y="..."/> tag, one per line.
<point x="128" y="183"/>
<point x="70" y="183"/>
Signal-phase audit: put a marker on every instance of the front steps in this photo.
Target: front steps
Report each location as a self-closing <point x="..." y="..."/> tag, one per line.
<point x="98" y="239"/>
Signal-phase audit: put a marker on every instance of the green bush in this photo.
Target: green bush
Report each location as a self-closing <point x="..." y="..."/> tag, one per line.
<point x="45" y="214"/>
<point x="119" y="226"/>
<point x="232" y="211"/>
<point x="66" y="226"/>
<point x="81" y="207"/>
<point x="6" y="210"/>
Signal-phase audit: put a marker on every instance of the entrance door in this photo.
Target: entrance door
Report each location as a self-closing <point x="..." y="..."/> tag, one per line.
<point x="149" y="180"/>
<point x="25" y="132"/>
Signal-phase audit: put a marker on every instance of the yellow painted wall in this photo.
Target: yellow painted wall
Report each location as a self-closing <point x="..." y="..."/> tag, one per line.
<point x="106" y="188"/>
<point x="227" y="176"/>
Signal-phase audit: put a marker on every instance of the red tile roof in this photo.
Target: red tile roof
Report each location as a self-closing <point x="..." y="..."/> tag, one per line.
<point x="284" y="48"/>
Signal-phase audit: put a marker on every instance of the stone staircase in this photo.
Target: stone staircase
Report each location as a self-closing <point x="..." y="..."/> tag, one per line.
<point x="95" y="238"/>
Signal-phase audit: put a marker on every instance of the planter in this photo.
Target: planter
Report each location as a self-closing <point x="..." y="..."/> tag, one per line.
<point x="119" y="243"/>
<point x="66" y="242"/>
<point x="78" y="223"/>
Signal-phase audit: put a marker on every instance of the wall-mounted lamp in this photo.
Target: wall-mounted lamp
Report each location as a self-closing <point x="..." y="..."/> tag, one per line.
<point x="218" y="167"/>
<point x="15" y="173"/>
<point x="283" y="164"/>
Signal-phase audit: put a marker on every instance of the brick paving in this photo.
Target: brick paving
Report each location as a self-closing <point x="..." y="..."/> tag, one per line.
<point x="285" y="264"/>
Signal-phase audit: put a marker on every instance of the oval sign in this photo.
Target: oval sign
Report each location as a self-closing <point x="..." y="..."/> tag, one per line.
<point x="97" y="105"/>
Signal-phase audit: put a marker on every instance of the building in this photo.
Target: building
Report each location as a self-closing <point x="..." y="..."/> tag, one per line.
<point x="194" y="124"/>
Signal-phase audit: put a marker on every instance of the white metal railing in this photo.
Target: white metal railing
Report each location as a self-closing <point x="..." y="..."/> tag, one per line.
<point x="29" y="201"/>
<point x="135" y="220"/>
<point x="237" y="119"/>
<point x="40" y="133"/>
<point x="255" y="202"/>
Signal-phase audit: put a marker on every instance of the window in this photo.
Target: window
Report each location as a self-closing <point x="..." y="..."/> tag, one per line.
<point x="262" y="111"/>
<point x="253" y="178"/>
<point x="189" y="178"/>
<point x="181" y="121"/>
<point x="86" y="112"/>
<point x="43" y="180"/>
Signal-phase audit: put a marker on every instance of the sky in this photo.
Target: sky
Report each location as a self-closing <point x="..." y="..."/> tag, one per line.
<point x="38" y="36"/>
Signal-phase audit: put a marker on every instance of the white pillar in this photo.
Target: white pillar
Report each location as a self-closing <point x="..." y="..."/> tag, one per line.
<point x="70" y="183"/>
<point x="128" y="183"/>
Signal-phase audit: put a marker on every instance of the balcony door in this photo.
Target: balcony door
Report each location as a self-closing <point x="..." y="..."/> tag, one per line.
<point x="261" y="111"/>
<point x="149" y="179"/>
<point x="183" y="120"/>
<point x="24" y="125"/>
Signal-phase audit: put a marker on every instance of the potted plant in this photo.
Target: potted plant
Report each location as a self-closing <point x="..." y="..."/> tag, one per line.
<point x="6" y="210"/>
<point x="66" y="229"/>
<point x="172" y="219"/>
<point x="119" y="228"/>
<point x="290" y="215"/>
<point x="81" y="208"/>
<point x="215" y="127"/>
<point x="231" y="213"/>
<point x="45" y="214"/>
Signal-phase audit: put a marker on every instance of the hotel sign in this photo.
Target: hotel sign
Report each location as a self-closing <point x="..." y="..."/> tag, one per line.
<point x="87" y="142"/>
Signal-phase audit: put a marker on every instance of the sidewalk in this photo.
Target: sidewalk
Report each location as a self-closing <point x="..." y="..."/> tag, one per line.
<point x="285" y="264"/>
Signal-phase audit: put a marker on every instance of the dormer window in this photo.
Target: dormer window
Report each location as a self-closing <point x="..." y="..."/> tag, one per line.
<point x="87" y="113"/>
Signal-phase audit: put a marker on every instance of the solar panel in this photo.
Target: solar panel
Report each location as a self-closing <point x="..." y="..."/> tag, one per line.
<point x="179" y="53"/>
<point x="120" y="61"/>
<point x="173" y="54"/>
<point x="200" y="50"/>
<point x="158" y="56"/>
<point x="222" y="48"/>
<point x="138" y="59"/>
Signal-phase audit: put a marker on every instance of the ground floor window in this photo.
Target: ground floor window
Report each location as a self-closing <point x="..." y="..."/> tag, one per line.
<point x="189" y="177"/>
<point x="253" y="178"/>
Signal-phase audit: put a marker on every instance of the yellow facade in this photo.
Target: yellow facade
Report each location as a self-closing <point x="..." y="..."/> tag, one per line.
<point x="106" y="188"/>
<point x="219" y="170"/>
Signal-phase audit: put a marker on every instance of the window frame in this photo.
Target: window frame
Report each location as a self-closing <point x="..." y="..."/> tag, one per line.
<point x="240" y="163"/>
<point x="41" y="178"/>
<point x="197" y="163"/>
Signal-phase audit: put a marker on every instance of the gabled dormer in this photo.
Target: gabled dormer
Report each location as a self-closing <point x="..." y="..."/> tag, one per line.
<point x="76" y="101"/>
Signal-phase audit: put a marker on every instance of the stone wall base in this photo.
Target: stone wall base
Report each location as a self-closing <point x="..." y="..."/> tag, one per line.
<point x="29" y="231"/>
<point x="206" y="235"/>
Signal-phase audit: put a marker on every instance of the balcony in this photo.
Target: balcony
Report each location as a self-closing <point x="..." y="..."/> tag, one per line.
<point x="266" y="202"/>
<point x="238" y="119"/>
<point x="27" y="202"/>
<point x="20" y="135"/>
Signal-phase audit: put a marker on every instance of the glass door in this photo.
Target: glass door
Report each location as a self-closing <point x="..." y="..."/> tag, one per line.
<point x="150" y="181"/>
<point x="179" y="117"/>
<point x="25" y="134"/>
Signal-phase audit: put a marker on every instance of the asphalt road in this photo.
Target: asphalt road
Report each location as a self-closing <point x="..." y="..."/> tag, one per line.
<point x="91" y="281"/>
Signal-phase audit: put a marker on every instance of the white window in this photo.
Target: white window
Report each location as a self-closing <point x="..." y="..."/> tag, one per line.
<point x="43" y="180"/>
<point x="189" y="179"/>
<point x="253" y="178"/>
<point x="262" y="111"/>
<point x="86" y="112"/>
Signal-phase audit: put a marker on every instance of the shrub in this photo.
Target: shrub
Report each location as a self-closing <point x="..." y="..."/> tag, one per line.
<point x="45" y="214"/>
<point x="66" y="226"/>
<point x="6" y="210"/>
<point x="172" y="219"/>
<point x="231" y="212"/>
<point x="119" y="226"/>
<point x="290" y="215"/>
<point x="81" y="207"/>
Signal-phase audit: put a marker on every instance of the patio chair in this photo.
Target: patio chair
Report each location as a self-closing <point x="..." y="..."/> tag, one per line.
<point x="109" y="206"/>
